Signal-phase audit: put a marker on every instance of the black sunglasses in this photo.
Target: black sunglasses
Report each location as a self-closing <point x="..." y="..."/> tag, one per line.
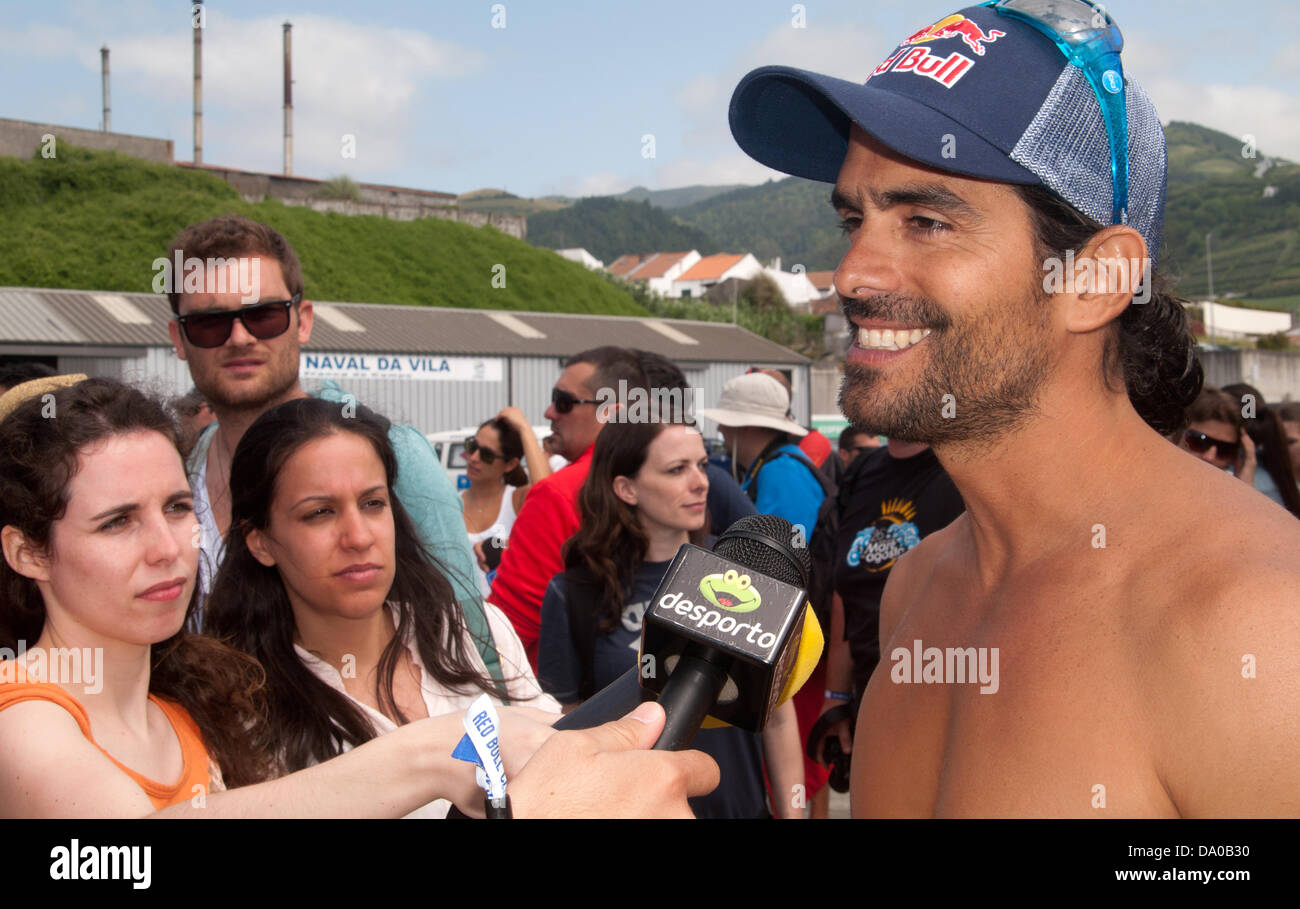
<point x="486" y="455"/>
<point x="1200" y="443"/>
<point x="263" y="321"/>
<point x="565" y="402"/>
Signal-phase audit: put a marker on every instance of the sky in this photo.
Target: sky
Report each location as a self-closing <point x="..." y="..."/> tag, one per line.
<point x="543" y="97"/>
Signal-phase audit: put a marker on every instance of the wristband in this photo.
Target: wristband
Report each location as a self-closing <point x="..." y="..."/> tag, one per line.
<point x="838" y="695"/>
<point x="481" y="746"/>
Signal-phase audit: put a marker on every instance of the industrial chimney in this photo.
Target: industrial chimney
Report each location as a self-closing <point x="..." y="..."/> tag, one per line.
<point x="103" y="61"/>
<point x="288" y="101"/>
<point x="197" y="21"/>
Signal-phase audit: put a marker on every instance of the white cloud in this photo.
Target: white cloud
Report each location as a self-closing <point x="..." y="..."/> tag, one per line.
<point x="349" y="78"/>
<point x="1268" y="114"/>
<point x="724" y="169"/>
<point x="848" y="53"/>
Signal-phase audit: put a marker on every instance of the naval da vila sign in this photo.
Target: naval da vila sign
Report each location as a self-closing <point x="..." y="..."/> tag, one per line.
<point x="422" y="367"/>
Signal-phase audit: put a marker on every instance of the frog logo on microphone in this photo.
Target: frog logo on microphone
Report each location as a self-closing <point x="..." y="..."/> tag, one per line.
<point x="731" y="591"/>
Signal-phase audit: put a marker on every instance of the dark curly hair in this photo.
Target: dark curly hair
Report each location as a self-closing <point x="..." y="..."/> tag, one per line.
<point x="1151" y="350"/>
<point x="39" y="447"/>
<point x="249" y="607"/>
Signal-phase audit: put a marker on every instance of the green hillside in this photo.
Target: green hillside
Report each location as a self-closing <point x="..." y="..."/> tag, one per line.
<point x="608" y="228"/>
<point x="1255" y="241"/>
<point x="675" y="198"/>
<point x="88" y="219"/>
<point x="1212" y="189"/>
<point x="790" y="218"/>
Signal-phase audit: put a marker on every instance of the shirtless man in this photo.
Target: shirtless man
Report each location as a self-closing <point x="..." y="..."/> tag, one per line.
<point x="1139" y="610"/>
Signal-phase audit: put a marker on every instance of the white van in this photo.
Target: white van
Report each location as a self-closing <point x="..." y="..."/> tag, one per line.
<point x="449" y="446"/>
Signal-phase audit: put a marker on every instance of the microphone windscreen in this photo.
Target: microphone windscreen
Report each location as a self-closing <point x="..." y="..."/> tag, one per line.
<point x="806" y="658"/>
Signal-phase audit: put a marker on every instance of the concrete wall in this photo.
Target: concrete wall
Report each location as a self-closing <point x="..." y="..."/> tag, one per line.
<point x="1275" y="373"/>
<point x="393" y="202"/>
<point x="22" y="139"/>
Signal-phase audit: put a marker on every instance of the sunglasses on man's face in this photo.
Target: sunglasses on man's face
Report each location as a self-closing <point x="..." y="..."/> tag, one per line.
<point x="565" y="402"/>
<point x="263" y="321"/>
<point x="1200" y="443"/>
<point x="486" y="455"/>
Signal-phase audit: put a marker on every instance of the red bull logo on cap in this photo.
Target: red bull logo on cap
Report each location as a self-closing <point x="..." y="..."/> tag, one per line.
<point x="957" y="26"/>
<point x="944" y="70"/>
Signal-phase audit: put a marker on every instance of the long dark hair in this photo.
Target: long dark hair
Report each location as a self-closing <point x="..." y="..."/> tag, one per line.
<point x="1152" y="351"/>
<point x="249" y="607"/>
<point x="39" y="446"/>
<point x="512" y="447"/>
<point x="1266" y="431"/>
<point x="610" y="544"/>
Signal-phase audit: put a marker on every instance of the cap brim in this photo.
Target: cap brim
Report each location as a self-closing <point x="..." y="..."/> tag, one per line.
<point x="741" y="418"/>
<point x="798" y="122"/>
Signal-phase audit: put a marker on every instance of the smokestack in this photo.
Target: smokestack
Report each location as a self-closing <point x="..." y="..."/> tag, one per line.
<point x="197" y="22"/>
<point x="288" y="101"/>
<point x="103" y="60"/>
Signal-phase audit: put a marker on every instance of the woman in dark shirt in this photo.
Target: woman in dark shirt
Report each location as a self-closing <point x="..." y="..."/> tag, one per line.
<point x="644" y="498"/>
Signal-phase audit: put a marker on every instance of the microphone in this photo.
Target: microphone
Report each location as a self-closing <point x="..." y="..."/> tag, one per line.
<point x="749" y="548"/>
<point x="725" y="629"/>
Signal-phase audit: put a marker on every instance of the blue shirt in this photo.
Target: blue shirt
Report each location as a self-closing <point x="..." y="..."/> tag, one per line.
<point x="787" y="488"/>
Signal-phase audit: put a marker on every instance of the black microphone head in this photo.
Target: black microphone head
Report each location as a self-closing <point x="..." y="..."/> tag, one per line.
<point x="767" y="543"/>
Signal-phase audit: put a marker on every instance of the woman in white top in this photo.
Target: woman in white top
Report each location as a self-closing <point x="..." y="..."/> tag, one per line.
<point x="327" y="584"/>
<point x="494" y="459"/>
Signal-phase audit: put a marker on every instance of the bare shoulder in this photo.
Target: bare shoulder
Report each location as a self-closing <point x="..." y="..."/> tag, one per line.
<point x="49" y="769"/>
<point x="1226" y="652"/>
<point x="910" y="572"/>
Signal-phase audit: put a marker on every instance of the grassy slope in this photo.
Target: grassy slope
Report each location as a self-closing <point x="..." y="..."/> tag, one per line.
<point x="99" y="219"/>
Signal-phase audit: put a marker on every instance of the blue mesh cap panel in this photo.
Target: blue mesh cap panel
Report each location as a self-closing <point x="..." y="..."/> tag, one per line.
<point x="1066" y="147"/>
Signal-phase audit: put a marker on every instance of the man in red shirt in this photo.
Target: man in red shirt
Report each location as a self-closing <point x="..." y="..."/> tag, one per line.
<point x="550" y="512"/>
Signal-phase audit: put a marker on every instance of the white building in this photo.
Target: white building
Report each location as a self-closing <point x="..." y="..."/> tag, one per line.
<point x="582" y="257"/>
<point x="1236" y="322"/>
<point x="712" y="270"/>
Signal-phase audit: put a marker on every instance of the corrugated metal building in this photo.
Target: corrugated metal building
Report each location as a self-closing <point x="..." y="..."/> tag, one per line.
<point x="435" y="368"/>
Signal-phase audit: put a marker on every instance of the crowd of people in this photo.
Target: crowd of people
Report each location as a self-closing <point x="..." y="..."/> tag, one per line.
<point x="341" y="592"/>
<point x="292" y="607"/>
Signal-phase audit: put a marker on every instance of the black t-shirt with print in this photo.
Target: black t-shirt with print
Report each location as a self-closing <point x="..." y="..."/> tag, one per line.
<point x="889" y="505"/>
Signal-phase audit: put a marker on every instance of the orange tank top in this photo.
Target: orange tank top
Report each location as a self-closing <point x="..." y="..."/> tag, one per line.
<point x="15" y="688"/>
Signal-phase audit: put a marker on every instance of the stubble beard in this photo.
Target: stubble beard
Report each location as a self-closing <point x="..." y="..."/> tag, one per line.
<point x="980" y="380"/>
<point x="256" y="397"/>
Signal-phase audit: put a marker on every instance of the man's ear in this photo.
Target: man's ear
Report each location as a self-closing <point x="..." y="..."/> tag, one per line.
<point x="174" y="332"/>
<point x="24" y="558"/>
<point x="305" y="319"/>
<point x="257" y="545"/>
<point x="1111" y="273"/>
<point x="625" y="490"/>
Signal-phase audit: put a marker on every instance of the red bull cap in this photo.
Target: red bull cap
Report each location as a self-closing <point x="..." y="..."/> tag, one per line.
<point x="978" y="94"/>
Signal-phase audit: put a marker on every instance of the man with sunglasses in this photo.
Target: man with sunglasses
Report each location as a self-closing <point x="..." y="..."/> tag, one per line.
<point x="1128" y="654"/>
<point x="550" y="513"/>
<point x="244" y="357"/>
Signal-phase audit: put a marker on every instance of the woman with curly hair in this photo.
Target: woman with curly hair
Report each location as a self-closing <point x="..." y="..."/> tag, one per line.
<point x="108" y="705"/>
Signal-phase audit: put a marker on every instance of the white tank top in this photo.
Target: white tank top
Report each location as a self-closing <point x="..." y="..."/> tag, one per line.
<point x="500" y="527"/>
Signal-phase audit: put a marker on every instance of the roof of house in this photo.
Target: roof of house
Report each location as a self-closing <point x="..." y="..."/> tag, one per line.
<point x="64" y="318"/>
<point x="656" y="264"/>
<point x="623" y="264"/>
<point x="711" y="268"/>
<point x="822" y="280"/>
